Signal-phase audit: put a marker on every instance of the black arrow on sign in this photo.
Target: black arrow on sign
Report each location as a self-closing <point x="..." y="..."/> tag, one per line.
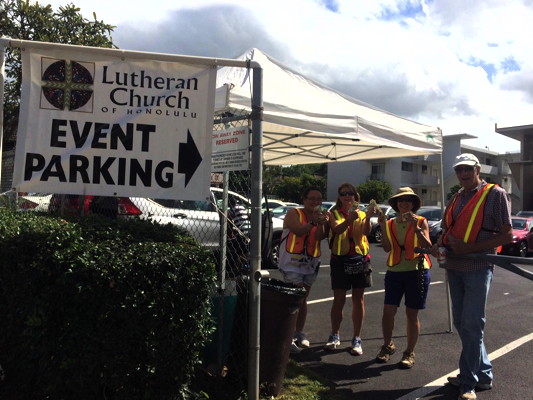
<point x="189" y="158"/>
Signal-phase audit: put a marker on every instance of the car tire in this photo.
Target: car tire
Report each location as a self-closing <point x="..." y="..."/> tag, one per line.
<point x="377" y="235"/>
<point x="274" y="254"/>
<point x="522" y="249"/>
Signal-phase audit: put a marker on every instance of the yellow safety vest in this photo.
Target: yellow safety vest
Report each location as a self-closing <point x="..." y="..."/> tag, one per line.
<point x="340" y="243"/>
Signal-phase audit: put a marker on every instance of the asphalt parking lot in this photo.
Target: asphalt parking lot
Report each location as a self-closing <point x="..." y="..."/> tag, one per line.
<point x="508" y="337"/>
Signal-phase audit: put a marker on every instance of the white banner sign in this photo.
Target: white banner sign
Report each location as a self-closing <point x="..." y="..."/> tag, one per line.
<point x="91" y="123"/>
<point x="231" y="149"/>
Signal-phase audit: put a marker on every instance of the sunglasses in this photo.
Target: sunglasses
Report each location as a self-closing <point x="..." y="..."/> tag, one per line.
<point x="346" y="194"/>
<point x="407" y="199"/>
<point x="468" y="168"/>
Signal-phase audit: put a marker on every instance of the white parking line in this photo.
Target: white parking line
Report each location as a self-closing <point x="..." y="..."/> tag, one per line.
<point x="438" y="383"/>
<point x="366" y="294"/>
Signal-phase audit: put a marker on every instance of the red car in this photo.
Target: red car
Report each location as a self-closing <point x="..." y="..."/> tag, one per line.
<point x="522" y="243"/>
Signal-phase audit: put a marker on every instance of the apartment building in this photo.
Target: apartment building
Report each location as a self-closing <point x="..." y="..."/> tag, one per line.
<point x="422" y="173"/>
<point x="522" y="165"/>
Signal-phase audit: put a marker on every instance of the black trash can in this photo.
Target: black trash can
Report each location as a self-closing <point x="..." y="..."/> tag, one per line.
<point x="280" y="303"/>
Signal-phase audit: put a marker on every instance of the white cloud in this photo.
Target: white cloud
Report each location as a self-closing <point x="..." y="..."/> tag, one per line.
<point x="459" y="65"/>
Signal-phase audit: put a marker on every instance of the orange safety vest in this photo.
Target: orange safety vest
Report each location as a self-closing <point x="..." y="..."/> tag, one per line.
<point x="340" y="244"/>
<point x="308" y="243"/>
<point x="410" y="242"/>
<point x="470" y="218"/>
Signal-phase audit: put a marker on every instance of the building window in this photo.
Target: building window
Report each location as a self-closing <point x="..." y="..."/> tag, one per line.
<point x="424" y="169"/>
<point x="407" y="166"/>
<point x="377" y="172"/>
<point x="424" y="192"/>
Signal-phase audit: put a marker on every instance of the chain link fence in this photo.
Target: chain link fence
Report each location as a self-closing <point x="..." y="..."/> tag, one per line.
<point x="220" y="222"/>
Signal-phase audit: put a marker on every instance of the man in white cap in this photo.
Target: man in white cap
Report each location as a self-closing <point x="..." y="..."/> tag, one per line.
<point x="477" y="220"/>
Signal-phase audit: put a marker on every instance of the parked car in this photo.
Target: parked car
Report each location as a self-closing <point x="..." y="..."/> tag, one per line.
<point x="522" y="243"/>
<point x="375" y="230"/>
<point x="327" y="205"/>
<point x="524" y="214"/>
<point x="200" y="218"/>
<point x="434" y="216"/>
<point x="280" y="212"/>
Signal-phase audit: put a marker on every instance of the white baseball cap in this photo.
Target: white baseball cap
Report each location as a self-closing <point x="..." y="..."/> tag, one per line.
<point x="465" y="159"/>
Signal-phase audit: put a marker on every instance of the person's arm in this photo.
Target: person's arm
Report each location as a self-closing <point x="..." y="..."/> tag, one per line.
<point x="366" y="225"/>
<point x="322" y="221"/>
<point x="292" y="222"/>
<point x="422" y="233"/>
<point x="385" y="243"/>
<point x="339" y="228"/>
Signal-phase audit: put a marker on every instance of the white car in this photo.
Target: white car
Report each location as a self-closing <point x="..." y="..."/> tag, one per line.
<point x="200" y="218"/>
<point x="375" y="230"/>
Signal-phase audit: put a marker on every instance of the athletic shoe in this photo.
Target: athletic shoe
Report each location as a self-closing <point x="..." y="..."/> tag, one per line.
<point x="357" y="348"/>
<point x="470" y="395"/>
<point x="301" y="339"/>
<point x="454" y="381"/>
<point x="408" y="360"/>
<point x="333" y="342"/>
<point x="294" y="348"/>
<point x="385" y="353"/>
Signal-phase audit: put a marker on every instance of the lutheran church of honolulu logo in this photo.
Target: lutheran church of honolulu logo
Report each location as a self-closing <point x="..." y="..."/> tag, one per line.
<point x="67" y="85"/>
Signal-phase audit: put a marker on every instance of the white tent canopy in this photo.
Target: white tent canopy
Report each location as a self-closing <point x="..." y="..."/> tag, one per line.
<point x="305" y="122"/>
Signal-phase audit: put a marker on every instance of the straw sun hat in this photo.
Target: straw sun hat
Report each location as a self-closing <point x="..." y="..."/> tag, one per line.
<point x="405" y="191"/>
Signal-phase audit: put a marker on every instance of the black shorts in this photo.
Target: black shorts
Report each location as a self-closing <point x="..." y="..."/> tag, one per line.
<point x="341" y="280"/>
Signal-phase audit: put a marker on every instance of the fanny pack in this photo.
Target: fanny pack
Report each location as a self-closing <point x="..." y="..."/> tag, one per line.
<point x="355" y="264"/>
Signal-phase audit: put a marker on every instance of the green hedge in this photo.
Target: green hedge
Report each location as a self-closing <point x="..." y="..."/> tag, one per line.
<point x="100" y="309"/>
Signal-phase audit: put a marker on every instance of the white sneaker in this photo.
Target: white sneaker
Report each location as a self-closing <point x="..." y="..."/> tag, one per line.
<point x="294" y="348"/>
<point x="357" y="348"/>
<point x="332" y="343"/>
<point x="470" y="395"/>
<point x="301" y="339"/>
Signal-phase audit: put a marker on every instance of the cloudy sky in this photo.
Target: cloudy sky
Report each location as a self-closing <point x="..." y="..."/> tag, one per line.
<point x="463" y="66"/>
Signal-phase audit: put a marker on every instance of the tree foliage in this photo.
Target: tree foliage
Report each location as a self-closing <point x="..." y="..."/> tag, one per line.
<point x="375" y="189"/>
<point x="287" y="183"/>
<point x="29" y="20"/>
<point x="454" y="189"/>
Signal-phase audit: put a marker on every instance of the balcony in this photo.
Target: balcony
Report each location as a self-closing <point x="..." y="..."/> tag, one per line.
<point x="489" y="170"/>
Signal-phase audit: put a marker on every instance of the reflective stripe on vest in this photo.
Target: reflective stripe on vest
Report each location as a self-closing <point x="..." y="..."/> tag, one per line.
<point x="341" y="242"/>
<point x="296" y="244"/>
<point x="410" y="242"/>
<point x="467" y="229"/>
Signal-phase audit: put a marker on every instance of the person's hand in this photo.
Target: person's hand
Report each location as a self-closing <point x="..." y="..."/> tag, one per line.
<point x="458" y="246"/>
<point x="353" y="214"/>
<point x="435" y="250"/>
<point x="410" y="217"/>
<point x="322" y="218"/>
<point x="381" y="219"/>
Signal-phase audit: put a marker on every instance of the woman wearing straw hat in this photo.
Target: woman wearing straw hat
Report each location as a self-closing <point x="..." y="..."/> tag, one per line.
<point x="404" y="274"/>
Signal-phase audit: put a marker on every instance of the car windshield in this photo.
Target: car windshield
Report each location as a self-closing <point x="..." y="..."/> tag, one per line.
<point x="281" y="210"/>
<point x="432" y="214"/>
<point x="519" y="223"/>
<point x="524" y="214"/>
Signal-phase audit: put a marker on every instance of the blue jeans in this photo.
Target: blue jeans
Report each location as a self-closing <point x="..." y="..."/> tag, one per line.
<point x="469" y="292"/>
